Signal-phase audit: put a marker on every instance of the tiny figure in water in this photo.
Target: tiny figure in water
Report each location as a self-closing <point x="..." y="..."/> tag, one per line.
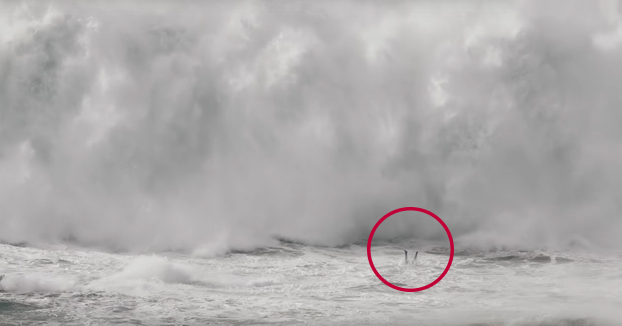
<point x="414" y="260"/>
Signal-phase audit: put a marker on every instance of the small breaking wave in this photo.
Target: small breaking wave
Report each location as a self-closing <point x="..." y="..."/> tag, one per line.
<point x="151" y="268"/>
<point x="161" y="270"/>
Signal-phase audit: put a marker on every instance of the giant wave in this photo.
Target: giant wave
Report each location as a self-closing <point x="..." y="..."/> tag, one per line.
<point x="225" y="126"/>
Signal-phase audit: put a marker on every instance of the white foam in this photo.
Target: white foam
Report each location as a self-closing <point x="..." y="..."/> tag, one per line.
<point x="149" y="271"/>
<point x="262" y="282"/>
<point x="35" y="283"/>
<point x="152" y="267"/>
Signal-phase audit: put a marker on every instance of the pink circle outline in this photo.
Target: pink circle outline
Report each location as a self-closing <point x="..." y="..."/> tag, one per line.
<point x="416" y="209"/>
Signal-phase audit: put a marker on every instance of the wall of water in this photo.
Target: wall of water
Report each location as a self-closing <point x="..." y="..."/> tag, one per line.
<point x="209" y="127"/>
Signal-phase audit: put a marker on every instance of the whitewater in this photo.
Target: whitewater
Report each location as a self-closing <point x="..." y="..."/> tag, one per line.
<point x="224" y="162"/>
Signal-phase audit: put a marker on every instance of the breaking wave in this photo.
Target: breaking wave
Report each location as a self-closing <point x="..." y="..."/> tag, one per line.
<point x="224" y="126"/>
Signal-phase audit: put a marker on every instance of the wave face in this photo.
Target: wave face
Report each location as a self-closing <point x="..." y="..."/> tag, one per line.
<point x="220" y="126"/>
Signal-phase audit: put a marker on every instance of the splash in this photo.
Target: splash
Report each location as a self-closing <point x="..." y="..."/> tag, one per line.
<point x="221" y="126"/>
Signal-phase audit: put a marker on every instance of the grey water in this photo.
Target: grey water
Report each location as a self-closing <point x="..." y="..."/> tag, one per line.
<point x="298" y="284"/>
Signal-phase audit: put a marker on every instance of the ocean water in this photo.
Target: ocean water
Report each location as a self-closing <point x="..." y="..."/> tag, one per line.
<point x="295" y="284"/>
<point x="223" y="162"/>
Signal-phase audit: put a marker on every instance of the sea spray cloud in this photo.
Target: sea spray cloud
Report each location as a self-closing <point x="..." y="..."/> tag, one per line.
<point x="166" y="128"/>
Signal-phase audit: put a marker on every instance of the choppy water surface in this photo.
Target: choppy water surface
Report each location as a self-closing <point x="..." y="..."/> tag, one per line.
<point x="296" y="284"/>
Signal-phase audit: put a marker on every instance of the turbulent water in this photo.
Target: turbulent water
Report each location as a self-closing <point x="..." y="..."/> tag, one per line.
<point x="256" y="143"/>
<point x="296" y="284"/>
